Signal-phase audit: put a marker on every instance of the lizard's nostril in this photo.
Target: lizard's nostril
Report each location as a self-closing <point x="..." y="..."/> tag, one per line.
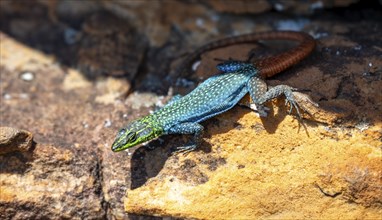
<point x="114" y="147"/>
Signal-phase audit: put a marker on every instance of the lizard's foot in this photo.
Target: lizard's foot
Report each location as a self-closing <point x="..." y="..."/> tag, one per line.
<point x="184" y="149"/>
<point x="289" y="99"/>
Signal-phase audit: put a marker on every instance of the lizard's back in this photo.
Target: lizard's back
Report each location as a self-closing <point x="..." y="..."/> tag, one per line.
<point x="214" y="96"/>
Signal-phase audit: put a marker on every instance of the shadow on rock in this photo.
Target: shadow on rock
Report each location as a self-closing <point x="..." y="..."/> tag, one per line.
<point x="148" y="161"/>
<point x="16" y="162"/>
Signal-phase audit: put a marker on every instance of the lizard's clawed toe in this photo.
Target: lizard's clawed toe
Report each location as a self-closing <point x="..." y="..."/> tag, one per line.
<point x="184" y="149"/>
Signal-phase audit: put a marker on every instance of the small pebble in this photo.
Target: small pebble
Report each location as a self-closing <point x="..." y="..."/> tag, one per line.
<point x="358" y="47"/>
<point x="24" y="95"/>
<point x="293" y="25"/>
<point x="199" y="22"/>
<point x="215" y="17"/>
<point x="27" y="76"/>
<point x="159" y="103"/>
<point x="195" y="65"/>
<point x="362" y="126"/>
<point x="86" y="125"/>
<point x="279" y="7"/>
<point x="7" y="96"/>
<point x="316" y="5"/>
<point x="107" y="123"/>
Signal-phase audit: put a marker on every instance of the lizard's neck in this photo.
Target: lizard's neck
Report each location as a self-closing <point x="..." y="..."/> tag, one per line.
<point x="155" y="124"/>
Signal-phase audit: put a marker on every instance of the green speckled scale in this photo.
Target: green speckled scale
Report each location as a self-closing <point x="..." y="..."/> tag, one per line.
<point x="212" y="97"/>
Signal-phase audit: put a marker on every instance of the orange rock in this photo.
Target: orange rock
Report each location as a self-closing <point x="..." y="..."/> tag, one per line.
<point x="274" y="168"/>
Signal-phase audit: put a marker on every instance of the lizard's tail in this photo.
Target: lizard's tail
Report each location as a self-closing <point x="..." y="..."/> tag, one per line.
<point x="270" y="66"/>
<point x="267" y="66"/>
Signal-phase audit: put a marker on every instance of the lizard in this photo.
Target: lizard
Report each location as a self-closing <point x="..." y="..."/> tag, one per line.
<point x="219" y="93"/>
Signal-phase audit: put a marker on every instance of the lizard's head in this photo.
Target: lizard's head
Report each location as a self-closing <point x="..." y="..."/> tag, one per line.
<point x="230" y="66"/>
<point x="135" y="133"/>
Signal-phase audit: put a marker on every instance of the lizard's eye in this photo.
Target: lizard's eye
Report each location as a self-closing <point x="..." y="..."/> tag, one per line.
<point x="132" y="136"/>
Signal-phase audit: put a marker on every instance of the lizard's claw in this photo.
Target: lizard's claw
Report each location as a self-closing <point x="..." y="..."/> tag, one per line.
<point x="293" y="104"/>
<point x="184" y="149"/>
<point x="290" y="100"/>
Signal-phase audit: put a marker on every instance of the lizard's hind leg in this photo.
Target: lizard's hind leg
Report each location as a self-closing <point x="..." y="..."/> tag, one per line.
<point x="260" y="94"/>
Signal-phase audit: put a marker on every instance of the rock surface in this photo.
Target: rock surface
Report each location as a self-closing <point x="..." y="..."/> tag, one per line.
<point x="12" y="139"/>
<point x="262" y="169"/>
<point x="109" y="46"/>
<point x="259" y="6"/>
<point x="327" y="165"/>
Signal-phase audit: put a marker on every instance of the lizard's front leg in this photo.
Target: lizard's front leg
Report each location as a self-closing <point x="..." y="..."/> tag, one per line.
<point x="258" y="91"/>
<point x="188" y="128"/>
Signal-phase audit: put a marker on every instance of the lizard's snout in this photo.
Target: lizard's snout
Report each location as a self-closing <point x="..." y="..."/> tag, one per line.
<point x="118" y="145"/>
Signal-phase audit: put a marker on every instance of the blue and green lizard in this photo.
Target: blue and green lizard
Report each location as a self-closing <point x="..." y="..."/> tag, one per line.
<point x="219" y="93"/>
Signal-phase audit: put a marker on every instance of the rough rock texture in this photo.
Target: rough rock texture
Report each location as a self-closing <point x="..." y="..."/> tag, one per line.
<point x="59" y="178"/>
<point x="50" y="182"/>
<point x="12" y="139"/>
<point x="245" y="6"/>
<point x="262" y="169"/>
<point x="109" y="46"/>
<point x="326" y="166"/>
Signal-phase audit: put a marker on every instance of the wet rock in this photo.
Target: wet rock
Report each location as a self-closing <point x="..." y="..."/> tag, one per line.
<point x="12" y="139"/>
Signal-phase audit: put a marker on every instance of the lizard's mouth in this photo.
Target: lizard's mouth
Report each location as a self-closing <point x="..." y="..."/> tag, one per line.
<point x="118" y="145"/>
